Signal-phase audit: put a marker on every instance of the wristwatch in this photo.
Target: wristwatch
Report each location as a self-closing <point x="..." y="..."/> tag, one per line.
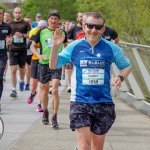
<point x="121" y="78"/>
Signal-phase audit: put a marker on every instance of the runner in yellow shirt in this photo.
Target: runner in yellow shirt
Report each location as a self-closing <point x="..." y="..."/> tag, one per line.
<point x="34" y="66"/>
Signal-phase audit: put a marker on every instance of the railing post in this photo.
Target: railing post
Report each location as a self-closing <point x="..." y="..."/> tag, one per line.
<point x="143" y="70"/>
<point x="135" y="87"/>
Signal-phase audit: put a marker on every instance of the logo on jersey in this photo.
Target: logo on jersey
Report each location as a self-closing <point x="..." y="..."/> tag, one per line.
<point x="83" y="63"/>
<point x="80" y="35"/>
<point x="81" y="51"/>
<point x="107" y="38"/>
<point x="1" y="127"/>
<point x="98" y="55"/>
<point x="92" y="63"/>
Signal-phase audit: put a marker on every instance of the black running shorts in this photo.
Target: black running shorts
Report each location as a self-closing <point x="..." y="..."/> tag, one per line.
<point x="46" y="74"/>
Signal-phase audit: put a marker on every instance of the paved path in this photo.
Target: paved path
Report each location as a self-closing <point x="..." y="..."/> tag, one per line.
<point x="24" y="131"/>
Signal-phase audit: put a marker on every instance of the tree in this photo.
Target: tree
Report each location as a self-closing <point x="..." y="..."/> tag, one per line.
<point x="4" y="6"/>
<point x="31" y="7"/>
<point x="129" y="17"/>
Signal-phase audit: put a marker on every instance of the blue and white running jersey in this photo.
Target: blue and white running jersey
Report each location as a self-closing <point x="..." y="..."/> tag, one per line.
<point x="90" y="81"/>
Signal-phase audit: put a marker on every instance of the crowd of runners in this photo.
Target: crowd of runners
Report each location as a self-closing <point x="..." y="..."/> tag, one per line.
<point x="48" y="51"/>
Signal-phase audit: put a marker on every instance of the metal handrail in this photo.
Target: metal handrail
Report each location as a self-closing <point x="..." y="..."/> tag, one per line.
<point x="132" y="81"/>
<point x="134" y="44"/>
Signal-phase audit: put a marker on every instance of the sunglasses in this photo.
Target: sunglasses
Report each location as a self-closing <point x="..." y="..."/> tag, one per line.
<point x="91" y="26"/>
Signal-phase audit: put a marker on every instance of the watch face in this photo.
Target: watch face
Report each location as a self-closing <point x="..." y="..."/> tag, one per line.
<point x="121" y="77"/>
<point x="1" y="127"/>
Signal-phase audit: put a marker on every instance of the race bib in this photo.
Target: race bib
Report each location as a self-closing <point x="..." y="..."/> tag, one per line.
<point x="92" y="72"/>
<point x="2" y="44"/>
<point x="5" y="31"/>
<point x="18" y="40"/>
<point x="92" y="76"/>
<point x="49" y="43"/>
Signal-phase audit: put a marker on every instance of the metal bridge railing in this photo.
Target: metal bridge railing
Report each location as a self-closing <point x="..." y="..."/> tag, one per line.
<point x="138" y="82"/>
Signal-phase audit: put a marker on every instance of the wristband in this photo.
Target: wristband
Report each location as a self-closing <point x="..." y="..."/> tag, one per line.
<point x="121" y="78"/>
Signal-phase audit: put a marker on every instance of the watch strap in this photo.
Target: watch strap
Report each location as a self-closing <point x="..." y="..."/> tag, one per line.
<point x="121" y="78"/>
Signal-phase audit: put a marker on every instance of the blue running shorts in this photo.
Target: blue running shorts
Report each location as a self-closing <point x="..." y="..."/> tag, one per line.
<point x="99" y="117"/>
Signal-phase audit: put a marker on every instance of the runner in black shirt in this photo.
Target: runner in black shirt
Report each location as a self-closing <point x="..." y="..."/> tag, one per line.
<point x="18" y="52"/>
<point x="76" y="32"/>
<point x="5" y="40"/>
<point x="7" y="18"/>
<point x="111" y="35"/>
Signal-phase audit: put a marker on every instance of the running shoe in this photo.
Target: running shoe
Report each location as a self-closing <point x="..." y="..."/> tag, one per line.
<point x="69" y="89"/>
<point x="54" y="123"/>
<point x="39" y="108"/>
<point x="4" y="77"/>
<point x="45" y="119"/>
<point x="31" y="98"/>
<point x="27" y="86"/>
<point x="13" y="94"/>
<point x="21" y="86"/>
